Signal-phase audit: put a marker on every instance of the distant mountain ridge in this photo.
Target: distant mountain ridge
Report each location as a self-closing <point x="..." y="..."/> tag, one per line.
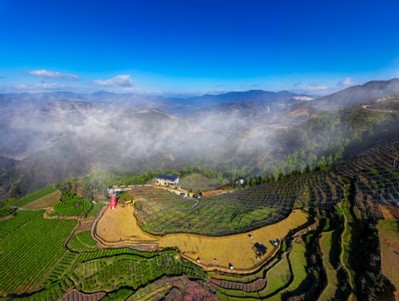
<point x="355" y="95"/>
<point x="46" y="137"/>
<point x="157" y="101"/>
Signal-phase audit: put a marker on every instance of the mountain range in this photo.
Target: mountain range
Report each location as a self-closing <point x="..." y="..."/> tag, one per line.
<point x="47" y="137"/>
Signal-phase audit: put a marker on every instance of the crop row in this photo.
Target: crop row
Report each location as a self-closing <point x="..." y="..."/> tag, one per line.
<point x="72" y="206"/>
<point x="30" y="251"/>
<point x="134" y="273"/>
<point x="18" y="220"/>
<point x="105" y="253"/>
<point x="60" y="269"/>
<point x="82" y="242"/>
<point x="198" y="183"/>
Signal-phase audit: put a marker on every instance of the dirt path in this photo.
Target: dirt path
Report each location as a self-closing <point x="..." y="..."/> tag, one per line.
<point x="366" y="107"/>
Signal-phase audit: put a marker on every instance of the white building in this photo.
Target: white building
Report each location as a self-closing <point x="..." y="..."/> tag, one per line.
<point x="168" y="180"/>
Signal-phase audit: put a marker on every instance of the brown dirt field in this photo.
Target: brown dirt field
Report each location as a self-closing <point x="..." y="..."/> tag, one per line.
<point x="74" y="295"/>
<point x="389" y="213"/>
<point x="253" y="286"/>
<point x="86" y="224"/>
<point x="45" y="201"/>
<point x="120" y="225"/>
<point x="211" y="192"/>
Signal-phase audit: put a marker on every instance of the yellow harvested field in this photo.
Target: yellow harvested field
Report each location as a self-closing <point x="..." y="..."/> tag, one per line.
<point x="120" y="224"/>
<point x="46" y="201"/>
<point x="215" y="252"/>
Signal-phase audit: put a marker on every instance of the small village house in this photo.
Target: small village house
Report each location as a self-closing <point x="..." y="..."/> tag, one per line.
<point x="168" y="180"/>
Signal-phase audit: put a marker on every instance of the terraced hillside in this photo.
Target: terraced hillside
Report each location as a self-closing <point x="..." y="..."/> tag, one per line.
<point x="161" y="212"/>
<point x="373" y="172"/>
<point x="45" y="259"/>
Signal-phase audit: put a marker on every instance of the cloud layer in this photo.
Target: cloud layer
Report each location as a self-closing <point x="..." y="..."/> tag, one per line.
<point x="43" y="73"/>
<point x="123" y="81"/>
<point x="346" y="82"/>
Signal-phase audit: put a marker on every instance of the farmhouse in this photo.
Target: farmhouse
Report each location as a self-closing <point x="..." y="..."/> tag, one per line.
<point x="167" y="180"/>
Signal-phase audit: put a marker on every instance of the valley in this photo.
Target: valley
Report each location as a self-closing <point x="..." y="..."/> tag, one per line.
<point x="284" y="215"/>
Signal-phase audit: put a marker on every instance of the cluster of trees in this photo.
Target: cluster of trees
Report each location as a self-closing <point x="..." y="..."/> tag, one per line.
<point x="322" y="140"/>
<point x="370" y="283"/>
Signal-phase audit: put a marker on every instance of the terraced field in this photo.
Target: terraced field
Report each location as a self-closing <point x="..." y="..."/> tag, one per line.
<point x="197" y="183"/>
<point x="118" y="227"/>
<point x="376" y="181"/>
<point x="48" y="200"/>
<point x="72" y="206"/>
<point x="160" y="212"/>
<point x="43" y="257"/>
<point x="34" y="259"/>
<point x="30" y="247"/>
<point x="29" y="198"/>
<point x="331" y="273"/>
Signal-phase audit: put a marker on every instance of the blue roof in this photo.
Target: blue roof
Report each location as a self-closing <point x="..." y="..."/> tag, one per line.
<point x="167" y="177"/>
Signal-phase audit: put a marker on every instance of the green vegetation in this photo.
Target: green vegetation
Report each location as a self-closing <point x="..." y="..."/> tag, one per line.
<point x="21" y="217"/>
<point x="39" y="255"/>
<point x="96" y="183"/>
<point x="82" y="242"/>
<point x="72" y="206"/>
<point x="49" y="200"/>
<point x="5" y="211"/>
<point x="119" y="295"/>
<point x="317" y="149"/>
<point x="31" y="197"/>
<point x="278" y="277"/>
<point x="30" y="249"/>
<point x="96" y="207"/>
<point x="332" y="277"/>
<point x="162" y="212"/>
<point x="109" y="274"/>
<point x="60" y="269"/>
<point x="326" y="226"/>
<point x="347" y="237"/>
<point x="197" y="182"/>
<point x="282" y="277"/>
<point x="298" y="265"/>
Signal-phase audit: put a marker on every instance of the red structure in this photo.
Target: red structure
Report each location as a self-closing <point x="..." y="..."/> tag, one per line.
<point x="112" y="202"/>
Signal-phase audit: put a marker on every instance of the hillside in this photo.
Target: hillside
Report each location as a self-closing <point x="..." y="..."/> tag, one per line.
<point x="334" y="214"/>
<point x="64" y="138"/>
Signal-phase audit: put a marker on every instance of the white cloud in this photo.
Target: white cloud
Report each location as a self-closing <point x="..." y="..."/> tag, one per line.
<point x="116" y="81"/>
<point x="316" y="87"/>
<point x="346" y="82"/>
<point x="42" y="87"/>
<point x="43" y="73"/>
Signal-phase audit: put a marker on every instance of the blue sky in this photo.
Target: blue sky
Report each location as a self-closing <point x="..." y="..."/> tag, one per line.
<point x="204" y="46"/>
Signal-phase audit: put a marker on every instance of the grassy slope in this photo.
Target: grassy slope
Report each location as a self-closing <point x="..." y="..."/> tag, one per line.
<point x="45" y="201"/>
<point x="298" y="264"/>
<point x="32" y="196"/>
<point x="278" y="276"/>
<point x="332" y="280"/>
